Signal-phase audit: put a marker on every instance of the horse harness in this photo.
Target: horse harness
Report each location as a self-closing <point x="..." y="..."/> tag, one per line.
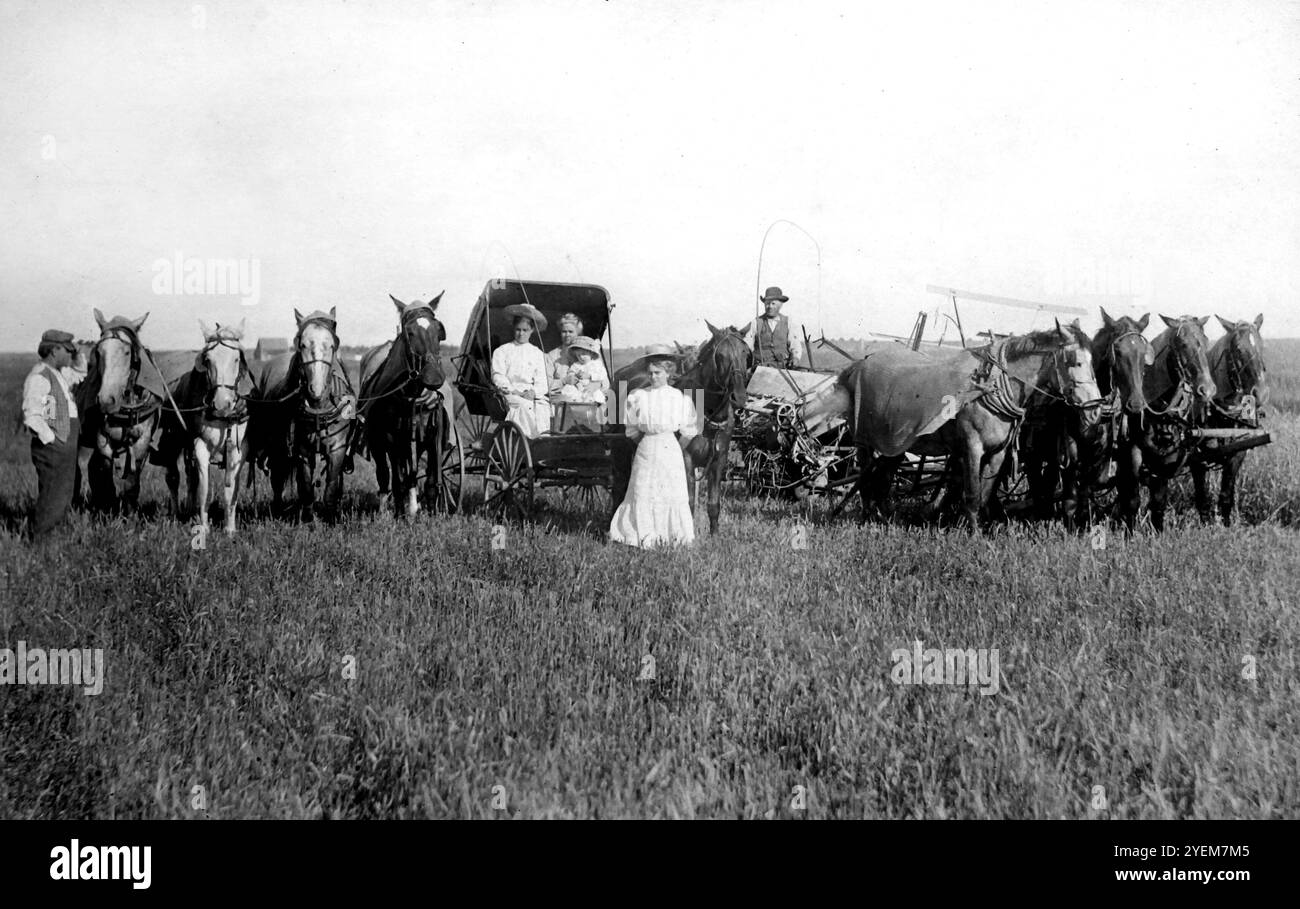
<point x="240" y="412"/>
<point x="138" y="407"/>
<point x="1002" y="400"/>
<point x="1246" y="411"/>
<point x="140" y="404"/>
<point x="338" y="406"/>
<point x="726" y="410"/>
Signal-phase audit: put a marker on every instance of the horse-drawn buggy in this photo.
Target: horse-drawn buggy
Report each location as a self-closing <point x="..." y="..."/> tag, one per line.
<point x="579" y="446"/>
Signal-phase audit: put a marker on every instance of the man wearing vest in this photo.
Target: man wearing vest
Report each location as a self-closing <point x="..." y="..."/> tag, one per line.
<point x="50" y="412"/>
<point x="770" y="335"/>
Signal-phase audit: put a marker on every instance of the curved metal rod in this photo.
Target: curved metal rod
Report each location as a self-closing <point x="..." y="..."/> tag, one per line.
<point x="758" y="276"/>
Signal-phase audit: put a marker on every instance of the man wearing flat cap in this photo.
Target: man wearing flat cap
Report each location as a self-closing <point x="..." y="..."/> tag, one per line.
<point x="770" y="336"/>
<point x="50" y="412"/>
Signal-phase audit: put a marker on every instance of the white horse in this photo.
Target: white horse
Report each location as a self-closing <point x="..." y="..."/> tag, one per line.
<point x="213" y="400"/>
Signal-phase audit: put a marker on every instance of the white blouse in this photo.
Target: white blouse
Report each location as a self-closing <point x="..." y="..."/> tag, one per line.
<point x="660" y="410"/>
<point x="517" y="367"/>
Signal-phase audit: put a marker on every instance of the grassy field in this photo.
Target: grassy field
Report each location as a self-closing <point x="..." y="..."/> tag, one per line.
<point x="392" y="669"/>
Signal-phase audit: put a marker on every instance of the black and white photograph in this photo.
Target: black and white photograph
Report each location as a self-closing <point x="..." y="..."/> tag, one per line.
<point x="610" y="410"/>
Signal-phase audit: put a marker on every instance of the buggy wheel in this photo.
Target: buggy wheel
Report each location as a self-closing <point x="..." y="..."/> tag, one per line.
<point x="508" y="482"/>
<point x="447" y="477"/>
<point x="475" y="435"/>
<point x="593" y="498"/>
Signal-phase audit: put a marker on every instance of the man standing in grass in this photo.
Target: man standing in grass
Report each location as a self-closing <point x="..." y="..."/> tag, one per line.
<point x="50" y="412"/>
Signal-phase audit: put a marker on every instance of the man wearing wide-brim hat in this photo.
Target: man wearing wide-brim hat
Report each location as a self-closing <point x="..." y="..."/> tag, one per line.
<point x="50" y="412"/>
<point x="769" y="335"/>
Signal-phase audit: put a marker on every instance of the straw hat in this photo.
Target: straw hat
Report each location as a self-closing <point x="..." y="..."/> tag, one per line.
<point x="591" y="345"/>
<point x="528" y="311"/>
<point x="658" y="353"/>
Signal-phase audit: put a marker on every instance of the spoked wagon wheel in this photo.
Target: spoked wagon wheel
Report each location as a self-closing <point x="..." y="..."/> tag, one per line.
<point x="508" y="483"/>
<point x="474" y="433"/>
<point x="445" y="487"/>
<point x="593" y="499"/>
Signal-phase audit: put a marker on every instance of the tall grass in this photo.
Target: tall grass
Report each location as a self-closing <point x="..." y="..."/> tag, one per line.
<point x="562" y="677"/>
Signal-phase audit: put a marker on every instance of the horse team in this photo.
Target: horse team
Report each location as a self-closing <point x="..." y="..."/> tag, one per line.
<point x="1033" y="397"/>
<point x="1078" y="412"/>
<point x="289" y="415"/>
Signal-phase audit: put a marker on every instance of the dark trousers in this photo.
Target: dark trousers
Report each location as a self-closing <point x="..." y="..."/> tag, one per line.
<point x="56" y="474"/>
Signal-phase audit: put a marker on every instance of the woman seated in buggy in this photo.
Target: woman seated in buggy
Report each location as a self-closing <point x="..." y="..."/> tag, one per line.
<point x="519" y="372"/>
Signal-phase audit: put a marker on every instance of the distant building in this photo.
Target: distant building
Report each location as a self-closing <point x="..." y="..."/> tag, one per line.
<point x="270" y="347"/>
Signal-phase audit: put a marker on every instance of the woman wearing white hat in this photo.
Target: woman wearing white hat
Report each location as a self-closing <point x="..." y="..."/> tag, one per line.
<point x="657" y="509"/>
<point x="519" y="370"/>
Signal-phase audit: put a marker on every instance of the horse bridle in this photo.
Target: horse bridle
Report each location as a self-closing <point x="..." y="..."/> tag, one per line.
<point x="413" y="362"/>
<point x="134" y="408"/>
<point x="1236" y="356"/>
<point x="1062" y="373"/>
<point x="303" y="379"/>
<point x="1177" y="354"/>
<point x="132" y="341"/>
<point x="240" y="411"/>
<point x="718" y="369"/>
<point x="1112" y="357"/>
<point x="1234" y="353"/>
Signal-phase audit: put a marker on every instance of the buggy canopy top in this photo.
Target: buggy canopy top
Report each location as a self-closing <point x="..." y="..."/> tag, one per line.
<point x="490" y="326"/>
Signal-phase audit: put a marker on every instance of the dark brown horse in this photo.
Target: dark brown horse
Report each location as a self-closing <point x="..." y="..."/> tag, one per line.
<point x="1122" y="355"/>
<point x="1237" y="365"/>
<point x="400" y="403"/>
<point x="119" y="403"/>
<point x="303" y="408"/>
<point x="1072" y="446"/>
<point x="1153" y="445"/>
<point x="720" y="374"/>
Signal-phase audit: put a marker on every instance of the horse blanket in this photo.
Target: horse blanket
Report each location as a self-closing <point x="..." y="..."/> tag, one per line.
<point x="900" y="394"/>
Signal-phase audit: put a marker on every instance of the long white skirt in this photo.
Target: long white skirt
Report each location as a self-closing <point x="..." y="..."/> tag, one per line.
<point x="657" y="509"/>
<point x="533" y="417"/>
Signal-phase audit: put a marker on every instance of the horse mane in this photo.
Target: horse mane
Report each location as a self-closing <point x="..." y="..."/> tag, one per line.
<point x="726" y="334"/>
<point x="224" y="333"/>
<point x="1122" y="325"/>
<point x="1018" y="346"/>
<point x="729" y="334"/>
<point x="1184" y="320"/>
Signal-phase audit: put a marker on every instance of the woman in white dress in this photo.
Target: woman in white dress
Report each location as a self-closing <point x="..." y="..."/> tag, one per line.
<point x="519" y="370"/>
<point x="657" y="509"/>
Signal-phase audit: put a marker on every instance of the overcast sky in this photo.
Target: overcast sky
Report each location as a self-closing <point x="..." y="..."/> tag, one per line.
<point x="1068" y="152"/>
